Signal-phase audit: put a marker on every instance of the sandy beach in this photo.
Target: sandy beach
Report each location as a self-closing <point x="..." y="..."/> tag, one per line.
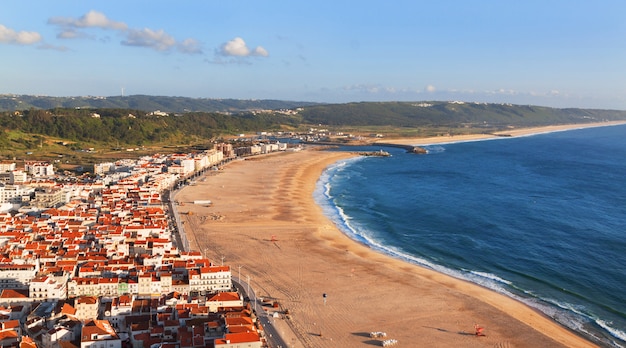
<point x="513" y="132"/>
<point x="265" y="224"/>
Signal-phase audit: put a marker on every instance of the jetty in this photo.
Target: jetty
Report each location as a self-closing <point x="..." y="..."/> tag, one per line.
<point x="379" y="153"/>
<point x="409" y="148"/>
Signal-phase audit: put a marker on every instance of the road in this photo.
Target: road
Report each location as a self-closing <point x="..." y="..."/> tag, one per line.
<point x="273" y="338"/>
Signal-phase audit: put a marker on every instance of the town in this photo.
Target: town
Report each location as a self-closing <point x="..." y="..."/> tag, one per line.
<point x="103" y="262"/>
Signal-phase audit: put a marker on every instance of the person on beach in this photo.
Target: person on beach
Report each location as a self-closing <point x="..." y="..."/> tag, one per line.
<point x="479" y="330"/>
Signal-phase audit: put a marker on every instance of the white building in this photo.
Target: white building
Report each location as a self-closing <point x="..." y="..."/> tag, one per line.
<point x="103" y="168"/>
<point x="51" y="338"/>
<point x="239" y="340"/>
<point x="39" y="168"/>
<point x="87" y="307"/>
<point x="255" y="150"/>
<point x="117" y="310"/>
<point x="224" y="300"/>
<point x="6" y="166"/>
<point x="210" y="279"/>
<point x="96" y="286"/>
<point x="15" y="193"/>
<point x="13" y="276"/>
<point x="145" y="284"/>
<point x="176" y="169"/>
<point x="188" y="165"/>
<point x="267" y="148"/>
<point x="200" y="162"/>
<point x="99" y="333"/>
<point x="215" y="156"/>
<point x="47" y="288"/>
<point x="17" y="177"/>
<point x="158" y="113"/>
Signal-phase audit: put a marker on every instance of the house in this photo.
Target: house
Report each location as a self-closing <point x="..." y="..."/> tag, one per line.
<point x="11" y="296"/>
<point x="99" y="333"/>
<point x="27" y="342"/>
<point x="239" y="340"/>
<point x="87" y="307"/>
<point x="117" y="310"/>
<point x="68" y="310"/>
<point x="11" y="325"/>
<point x="9" y="338"/>
<point x="52" y="337"/>
<point x="14" y="312"/>
<point x="47" y="288"/>
<point x="224" y="300"/>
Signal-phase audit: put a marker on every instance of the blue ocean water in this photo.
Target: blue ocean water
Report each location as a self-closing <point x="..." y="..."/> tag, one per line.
<point x="540" y="218"/>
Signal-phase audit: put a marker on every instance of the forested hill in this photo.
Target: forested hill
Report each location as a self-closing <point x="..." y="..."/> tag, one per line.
<point x="452" y="114"/>
<point x="12" y="102"/>
<point x="141" y="125"/>
<point x="394" y="114"/>
<point x="126" y="126"/>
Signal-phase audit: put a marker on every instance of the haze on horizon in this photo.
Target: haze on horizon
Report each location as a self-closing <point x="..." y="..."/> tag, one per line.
<point x="557" y="53"/>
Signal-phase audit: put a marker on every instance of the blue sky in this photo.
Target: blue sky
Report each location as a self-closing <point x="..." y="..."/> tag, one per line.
<point x="555" y="53"/>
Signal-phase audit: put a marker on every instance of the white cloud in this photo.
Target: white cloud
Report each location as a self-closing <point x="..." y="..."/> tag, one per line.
<point x="237" y="47"/>
<point x="11" y="36"/>
<point x="189" y="46"/>
<point x="70" y="28"/>
<point x="92" y="19"/>
<point x="260" y="51"/>
<point x="506" y="91"/>
<point x="158" y="40"/>
<point x="430" y="89"/>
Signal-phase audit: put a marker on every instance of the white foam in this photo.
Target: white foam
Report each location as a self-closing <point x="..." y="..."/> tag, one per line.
<point x="613" y="331"/>
<point x="492" y="277"/>
<point x="430" y="149"/>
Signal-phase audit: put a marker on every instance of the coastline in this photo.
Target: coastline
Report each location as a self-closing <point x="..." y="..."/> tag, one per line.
<point x="513" y="132"/>
<point x="271" y="197"/>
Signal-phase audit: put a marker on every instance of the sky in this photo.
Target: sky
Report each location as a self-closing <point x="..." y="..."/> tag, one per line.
<point x="558" y="53"/>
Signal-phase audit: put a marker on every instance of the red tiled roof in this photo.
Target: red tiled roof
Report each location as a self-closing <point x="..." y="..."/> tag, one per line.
<point x="8" y="334"/>
<point x="241" y="337"/>
<point x="10" y="293"/>
<point x="68" y="309"/>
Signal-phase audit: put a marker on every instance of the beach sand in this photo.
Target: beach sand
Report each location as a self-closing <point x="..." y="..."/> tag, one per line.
<point x="265" y="224"/>
<point x="513" y="132"/>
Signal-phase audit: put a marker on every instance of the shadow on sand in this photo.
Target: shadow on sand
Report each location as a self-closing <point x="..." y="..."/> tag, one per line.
<point x="372" y="342"/>
<point x="464" y="333"/>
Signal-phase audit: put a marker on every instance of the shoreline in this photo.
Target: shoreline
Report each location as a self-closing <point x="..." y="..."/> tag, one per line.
<point x="512" y="133"/>
<point x="266" y="225"/>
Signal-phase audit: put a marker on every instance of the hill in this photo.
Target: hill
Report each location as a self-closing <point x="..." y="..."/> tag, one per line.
<point x="11" y="102"/>
<point x="131" y="127"/>
<point x="451" y="114"/>
<point x="114" y="122"/>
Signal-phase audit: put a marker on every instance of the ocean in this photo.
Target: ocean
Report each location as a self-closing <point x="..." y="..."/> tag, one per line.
<point x="540" y="218"/>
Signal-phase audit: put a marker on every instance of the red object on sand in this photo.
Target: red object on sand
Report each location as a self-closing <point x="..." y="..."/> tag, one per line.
<point x="479" y="330"/>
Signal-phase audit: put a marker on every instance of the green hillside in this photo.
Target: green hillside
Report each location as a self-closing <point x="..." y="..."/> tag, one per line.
<point x="450" y="114"/>
<point x="10" y="102"/>
<point x="136" y="127"/>
<point x="130" y="121"/>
